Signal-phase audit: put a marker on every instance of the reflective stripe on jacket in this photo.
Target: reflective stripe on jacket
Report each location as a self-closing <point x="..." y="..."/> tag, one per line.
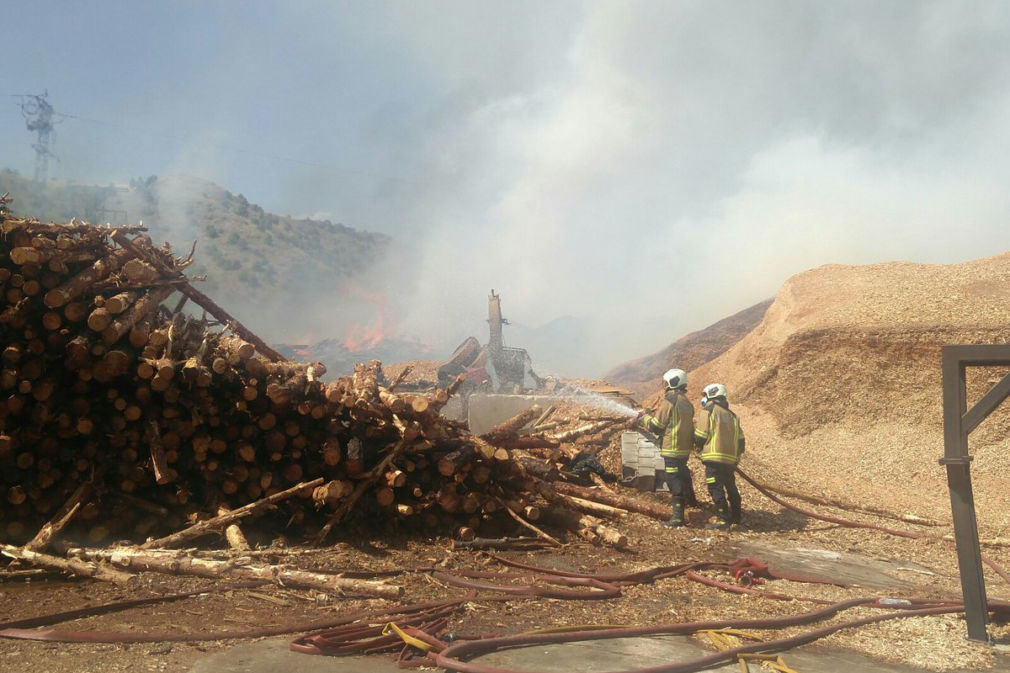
<point x="722" y="435"/>
<point x="675" y="423"/>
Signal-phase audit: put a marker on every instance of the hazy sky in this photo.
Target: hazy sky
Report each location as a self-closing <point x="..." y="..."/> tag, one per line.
<point x="649" y="167"/>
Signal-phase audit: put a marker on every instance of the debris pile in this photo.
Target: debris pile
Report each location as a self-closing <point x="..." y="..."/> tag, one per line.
<point x="585" y="417"/>
<point x="136" y="420"/>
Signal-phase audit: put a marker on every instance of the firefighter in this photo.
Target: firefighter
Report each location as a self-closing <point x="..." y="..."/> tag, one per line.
<point x="722" y="442"/>
<point x="675" y="424"/>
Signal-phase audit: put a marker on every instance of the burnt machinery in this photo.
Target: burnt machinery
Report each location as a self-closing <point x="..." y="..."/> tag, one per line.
<point x="494" y="367"/>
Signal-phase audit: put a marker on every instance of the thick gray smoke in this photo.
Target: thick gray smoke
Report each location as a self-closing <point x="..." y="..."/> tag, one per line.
<point x="621" y="172"/>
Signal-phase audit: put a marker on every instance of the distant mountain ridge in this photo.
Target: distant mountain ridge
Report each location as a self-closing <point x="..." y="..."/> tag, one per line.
<point x="240" y="246"/>
<point x="689" y="352"/>
<point x="286" y="278"/>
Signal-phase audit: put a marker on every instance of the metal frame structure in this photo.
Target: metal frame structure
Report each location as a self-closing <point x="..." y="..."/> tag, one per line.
<point x="958" y="422"/>
<point x="38" y="113"/>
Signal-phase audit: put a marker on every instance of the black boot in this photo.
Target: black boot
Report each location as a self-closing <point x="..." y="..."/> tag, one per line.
<point x="735" y="513"/>
<point x="721" y="518"/>
<point x="677" y="519"/>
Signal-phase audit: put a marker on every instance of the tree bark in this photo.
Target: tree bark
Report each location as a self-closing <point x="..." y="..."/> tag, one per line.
<point x="204" y="301"/>
<point x="211" y="525"/>
<point x="233" y="534"/>
<point x="509" y="430"/>
<point x="76" y="286"/>
<point x="72" y="566"/>
<point x="653" y="511"/>
<point x="177" y="563"/>
<point x="41" y="541"/>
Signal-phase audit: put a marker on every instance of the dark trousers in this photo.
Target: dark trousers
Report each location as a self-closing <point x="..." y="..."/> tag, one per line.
<point x="721" y="481"/>
<point x="678" y="478"/>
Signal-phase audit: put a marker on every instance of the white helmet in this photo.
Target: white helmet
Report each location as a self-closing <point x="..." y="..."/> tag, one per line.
<point x="714" y="390"/>
<point x="675" y="378"/>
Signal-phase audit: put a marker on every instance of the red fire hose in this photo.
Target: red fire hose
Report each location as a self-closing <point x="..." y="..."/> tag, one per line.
<point x="452" y="657"/>
<point x="997" y="568"/>
<point x="14" y="630"/>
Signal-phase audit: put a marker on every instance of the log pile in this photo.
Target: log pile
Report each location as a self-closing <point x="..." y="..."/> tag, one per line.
<point x="168" y="418"/>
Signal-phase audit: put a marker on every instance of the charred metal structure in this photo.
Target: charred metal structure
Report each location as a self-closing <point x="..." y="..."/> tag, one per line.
<point x="502" y="368"/>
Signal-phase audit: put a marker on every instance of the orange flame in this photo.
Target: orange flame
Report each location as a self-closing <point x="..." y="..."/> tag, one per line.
<point x="360" y="336"/>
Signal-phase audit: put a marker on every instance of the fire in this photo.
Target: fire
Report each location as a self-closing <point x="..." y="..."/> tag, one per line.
<point x="361" y="337"/>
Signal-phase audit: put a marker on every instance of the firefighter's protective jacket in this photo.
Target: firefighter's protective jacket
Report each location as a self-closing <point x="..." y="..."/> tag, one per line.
<point x="720" y="435"/>
<point x="674" y="422"/>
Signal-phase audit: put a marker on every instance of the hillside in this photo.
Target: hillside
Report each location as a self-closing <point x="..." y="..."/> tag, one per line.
<point x="290" y="279"/>
<point x="688" y="352"/>
<point x="838" y="387"/>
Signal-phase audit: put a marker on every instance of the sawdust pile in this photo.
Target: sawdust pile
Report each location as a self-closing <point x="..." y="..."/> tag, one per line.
<point x="839" y="386"/>
<point x="423" y="373"/>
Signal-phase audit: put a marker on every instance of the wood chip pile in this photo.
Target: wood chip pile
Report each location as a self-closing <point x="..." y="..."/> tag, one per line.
<point x="165" y="418"/>
<point x="839" y="386"/>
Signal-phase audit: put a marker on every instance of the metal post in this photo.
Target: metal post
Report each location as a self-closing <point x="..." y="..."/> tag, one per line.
<point x="957" y="423"/>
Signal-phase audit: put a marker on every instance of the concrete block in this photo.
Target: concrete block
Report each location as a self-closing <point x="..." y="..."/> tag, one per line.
<point x="487" y="410"/>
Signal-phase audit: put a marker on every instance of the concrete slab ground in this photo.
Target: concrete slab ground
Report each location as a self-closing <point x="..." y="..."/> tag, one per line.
<point x="855" y="569"/>
<point x="273" y="656"/>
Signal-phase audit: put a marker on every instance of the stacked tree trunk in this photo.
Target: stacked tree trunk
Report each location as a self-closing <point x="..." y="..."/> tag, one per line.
<point x="169" y="417"/>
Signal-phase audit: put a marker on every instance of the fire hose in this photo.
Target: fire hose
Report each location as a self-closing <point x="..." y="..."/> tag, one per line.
<point x="414" y="628"/>
<point x="423" y="647"/>
<point x="410" y="627"/>
<point x="744" y="565"/>
<point x="451" y="658"/>
<point x="19" y="629"/>
<point x="997" y="568"/>
<point x="470" y="579"/>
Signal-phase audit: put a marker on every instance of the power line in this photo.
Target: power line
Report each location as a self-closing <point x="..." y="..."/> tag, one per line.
<point x="60" y="116"/>
<point x="220" y="146"/>
<point x="38" y="114"/>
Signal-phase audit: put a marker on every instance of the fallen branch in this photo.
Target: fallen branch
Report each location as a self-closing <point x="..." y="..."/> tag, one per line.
<point x="41" y="541"/>
<point x="509" y="430"/>
<point x="71" y="566"/>
<point x="591" y="507"/>
<point x="500" y="543"/>
<point x="211" y="525"/>
<point x="607" y="497"/>
<point x="180" y="563"/>
<point x="526" y="524"/>
<point x="544" y="416"/>
<point x="587" y="429"/>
